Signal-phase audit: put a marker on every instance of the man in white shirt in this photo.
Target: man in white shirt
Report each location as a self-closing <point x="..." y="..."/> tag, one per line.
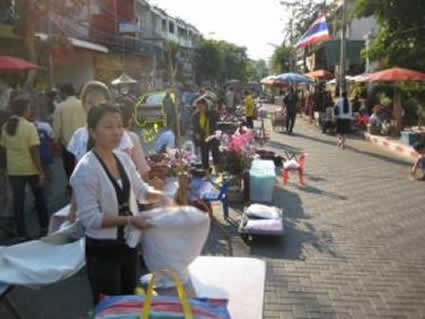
<point x="166" y="139"/>
<point x="343" y="115"/>
<point x="230" y="98"/>
<point x="68" y="117"/>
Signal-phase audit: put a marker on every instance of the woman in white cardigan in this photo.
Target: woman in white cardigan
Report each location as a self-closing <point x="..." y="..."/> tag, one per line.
<point x="106" y="185"/>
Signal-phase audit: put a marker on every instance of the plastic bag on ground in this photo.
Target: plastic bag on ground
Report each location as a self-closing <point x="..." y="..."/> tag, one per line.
<point x="263" y="211"/>
<point x="268" y="226"/>
<point x="175" y="240"/>
<point x="291" y="164"/>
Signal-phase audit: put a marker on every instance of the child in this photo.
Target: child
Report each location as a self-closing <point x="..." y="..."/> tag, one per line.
<point x="418" y="169"/>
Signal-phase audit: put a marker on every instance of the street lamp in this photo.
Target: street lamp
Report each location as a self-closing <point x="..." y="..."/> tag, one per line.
<point x="123" y="83"/>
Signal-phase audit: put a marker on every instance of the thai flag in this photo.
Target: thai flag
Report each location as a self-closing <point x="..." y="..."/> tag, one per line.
<point x="317" y="32"/>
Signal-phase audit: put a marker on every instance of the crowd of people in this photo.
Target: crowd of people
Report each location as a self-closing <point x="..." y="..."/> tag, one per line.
<point x="105" y="165"/>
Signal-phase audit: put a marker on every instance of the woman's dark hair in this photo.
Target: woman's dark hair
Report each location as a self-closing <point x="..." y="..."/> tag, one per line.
<point x="95" y="114"/>
<point x="68" y="89"/>
<point x="346" y="105"/>
<point x="419" y="146"/>
<point x="126" y="108"/>
<point x="18" y="107"/>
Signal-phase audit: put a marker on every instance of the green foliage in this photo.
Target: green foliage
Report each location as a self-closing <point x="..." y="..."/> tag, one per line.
<point x="261" y="70"/>
<point x="400" y="39"/>
<point x="281" y="59"/>
<point x="221" y="61"/>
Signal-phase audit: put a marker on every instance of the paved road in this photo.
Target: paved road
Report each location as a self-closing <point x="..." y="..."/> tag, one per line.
<point x="355" y="242"/>
<point x="354" y="246"/>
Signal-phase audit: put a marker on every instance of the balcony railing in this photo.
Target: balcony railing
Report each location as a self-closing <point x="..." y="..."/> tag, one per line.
<point x="7" y="13"/>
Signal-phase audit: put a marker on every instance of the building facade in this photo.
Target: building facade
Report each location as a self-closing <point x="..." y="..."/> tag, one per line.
<point x="326" y="55"/>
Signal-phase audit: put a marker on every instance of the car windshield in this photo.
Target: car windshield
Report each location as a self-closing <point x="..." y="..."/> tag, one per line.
<point x="154" y="99"/>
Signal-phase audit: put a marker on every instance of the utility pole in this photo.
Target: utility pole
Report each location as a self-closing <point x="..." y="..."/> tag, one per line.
<point x="342" y="64"/>
<point x="49" y="46"/>
<point x="291" y="5"/>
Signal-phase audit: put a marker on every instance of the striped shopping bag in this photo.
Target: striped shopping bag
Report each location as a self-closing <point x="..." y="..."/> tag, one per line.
<point x="161" y="307"/>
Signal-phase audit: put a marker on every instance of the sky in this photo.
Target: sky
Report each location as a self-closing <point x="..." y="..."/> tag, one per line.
<point x="249" y="23"/>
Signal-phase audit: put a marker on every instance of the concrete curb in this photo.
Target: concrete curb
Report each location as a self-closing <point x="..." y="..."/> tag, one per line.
<point x="398" y="148"/>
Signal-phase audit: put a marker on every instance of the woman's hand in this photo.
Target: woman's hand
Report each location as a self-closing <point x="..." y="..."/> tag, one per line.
<point x="41" y="179"/>
<point x="139" y="222"/>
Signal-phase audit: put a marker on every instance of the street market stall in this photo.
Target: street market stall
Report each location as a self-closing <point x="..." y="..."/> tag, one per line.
<point x="396" y="75"/>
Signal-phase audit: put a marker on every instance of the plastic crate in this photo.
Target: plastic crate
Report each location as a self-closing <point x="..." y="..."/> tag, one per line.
<point x="409" y="138"/>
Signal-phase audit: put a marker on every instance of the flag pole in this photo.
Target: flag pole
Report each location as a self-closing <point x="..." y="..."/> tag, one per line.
<point x="342" y="64"/>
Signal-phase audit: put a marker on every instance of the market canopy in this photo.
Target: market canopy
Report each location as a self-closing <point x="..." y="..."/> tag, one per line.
<point x="395" y="74"/>
<point x="268" y="80"/>
<point x="272" y="81"/>
<point x="348" y="78"/>
<point x="291" y="78"/>
<point x="123" y="79"/>
<point x="8" y="63"/>
<point x="320" y="75"/>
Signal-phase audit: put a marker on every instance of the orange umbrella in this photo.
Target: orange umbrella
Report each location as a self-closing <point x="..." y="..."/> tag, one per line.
<point x="9" y="63"/>
<point x="396" y="74"/>
<point x="320" y="75"/>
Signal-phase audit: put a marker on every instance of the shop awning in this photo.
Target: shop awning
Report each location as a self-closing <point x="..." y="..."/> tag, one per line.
<point x="332" y="51"/>
<point x="78" y="43"/>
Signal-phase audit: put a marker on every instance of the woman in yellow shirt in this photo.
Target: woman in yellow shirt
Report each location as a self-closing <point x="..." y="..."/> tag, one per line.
<point x="21" y="140"/>
<point x="205" y="125"/>
<point x="249" y="104"/>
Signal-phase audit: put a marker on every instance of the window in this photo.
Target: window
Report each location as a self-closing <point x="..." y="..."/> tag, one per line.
<point x="171" y="27"/>
<point x="164" y="25"/>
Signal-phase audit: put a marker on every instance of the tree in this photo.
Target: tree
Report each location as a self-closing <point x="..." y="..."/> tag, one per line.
<point x="221" y="61"/>
<point x="31" y="12"/>
<point x="400" y="41"/>
<point x="281" y="59"/>
<point x="208" y="61"/>
<point x="400" y="38"/>
<point x="257" y="70"/>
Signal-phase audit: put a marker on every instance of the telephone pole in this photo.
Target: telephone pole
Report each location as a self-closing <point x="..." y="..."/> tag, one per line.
<point x="343" y="57"/>
<point x="49" y="45"/>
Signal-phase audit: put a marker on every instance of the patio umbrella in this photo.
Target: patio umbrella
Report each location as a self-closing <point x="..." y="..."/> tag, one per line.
<point x="9" y="63"/>
<point x="320" y="75"/>
<point x="268" y="80"/>
<point x="348" y="78"/>
<point x="396" y="75"/>
<point x="291" y="78"/>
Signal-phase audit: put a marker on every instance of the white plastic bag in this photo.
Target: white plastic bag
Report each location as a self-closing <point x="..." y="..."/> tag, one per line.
<point x="291" y="164"/>
<point x="263" y="211"/>
<point x="175" y="240"/>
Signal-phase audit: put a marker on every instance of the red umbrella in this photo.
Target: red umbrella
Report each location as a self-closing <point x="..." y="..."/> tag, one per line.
<point x="320" y="75"/>
<point x="8" y="63"/>
<point x="396" y="74"/>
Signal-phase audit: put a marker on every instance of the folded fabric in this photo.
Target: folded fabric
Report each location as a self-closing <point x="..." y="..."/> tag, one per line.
<point x="264" y="225"/>
<point x="42" y="262"/>
<point x="291" y="164"/>
<point x="263" y="211"/>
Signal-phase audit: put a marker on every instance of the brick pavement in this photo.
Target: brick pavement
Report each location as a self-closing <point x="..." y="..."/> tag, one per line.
<point x="354" y="246"/>
<point x="355" y="241"/>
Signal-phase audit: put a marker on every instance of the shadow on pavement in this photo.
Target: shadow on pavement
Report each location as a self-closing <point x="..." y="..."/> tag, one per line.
<point x="284" y="147"/>
<point x="312" y="178"/>
<point x="224" y="239"/>
<point x="317" y="191"/>
<point x="380" y="157"/>
<point x="299" y="236"/>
